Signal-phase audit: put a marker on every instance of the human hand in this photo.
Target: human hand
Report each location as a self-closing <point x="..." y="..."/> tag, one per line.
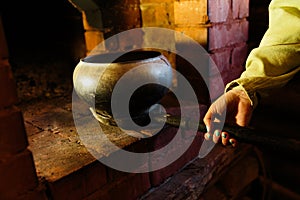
<point x="235" y="108"/>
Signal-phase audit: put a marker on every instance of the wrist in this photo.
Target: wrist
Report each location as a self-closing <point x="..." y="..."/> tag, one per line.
<point x="242" y="93"/>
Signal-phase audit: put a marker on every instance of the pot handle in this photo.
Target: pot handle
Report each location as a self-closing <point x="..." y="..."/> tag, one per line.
<point x="163" y="58"/>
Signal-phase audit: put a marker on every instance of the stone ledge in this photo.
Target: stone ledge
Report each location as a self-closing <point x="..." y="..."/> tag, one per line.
<point x="66" y="167"/>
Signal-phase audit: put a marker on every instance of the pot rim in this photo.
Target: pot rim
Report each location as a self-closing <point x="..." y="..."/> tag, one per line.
<point x="116" y="55"/>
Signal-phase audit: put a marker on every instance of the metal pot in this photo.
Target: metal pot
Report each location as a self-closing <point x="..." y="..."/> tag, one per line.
<point x="95" y="77"/>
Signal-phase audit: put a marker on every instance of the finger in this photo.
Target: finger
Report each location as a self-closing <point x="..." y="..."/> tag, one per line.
<point x="244" y="118"/>
<point x="207" y="119"/>
<point x="225" y="138"/>
<point x="216" y="136"/>
<point x="207" y="136"/>
<point x="233" y="142"/>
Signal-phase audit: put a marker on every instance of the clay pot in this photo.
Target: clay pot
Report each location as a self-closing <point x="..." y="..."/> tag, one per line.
<point x="95" y="77"/>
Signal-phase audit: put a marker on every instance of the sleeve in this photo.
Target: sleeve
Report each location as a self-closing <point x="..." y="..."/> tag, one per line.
<point x="277" y="59"/>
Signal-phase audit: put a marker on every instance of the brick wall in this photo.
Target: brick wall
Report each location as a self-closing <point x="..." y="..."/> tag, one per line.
<point x="227" y="39"/>
<point x="220" y="26"/>
<point x="17" y="170"/>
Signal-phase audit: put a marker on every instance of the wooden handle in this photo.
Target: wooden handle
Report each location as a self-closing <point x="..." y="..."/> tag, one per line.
<point x="242" y="134"/>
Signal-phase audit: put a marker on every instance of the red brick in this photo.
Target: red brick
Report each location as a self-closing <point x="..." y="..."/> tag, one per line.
<point x="163" y="138"/>
<point x="157" y="14"/>
<point x="114" y="175"/>
<point x="93" y="41"/>
<point x="128" y="188"/>
<point x="13" y="137"/>
<point x="130" y="41"/>
<point x="237" y="65"/>
<point x="128" y="3"/>
<point x="69" y="187"/>
<point x="196" y="77"/>
<point x="127" y="16"/>
<point x="199" y="34"/>
<point x="193" y="151"/>
<point x="240" y="8"/>
<point x="3" y="45"/>
<point x="17" y="175"/>
<point x="79" y="184"/>
<point x="95" y="177"/>
<point x="219" y="10"/>
<point x="230" y="63"/>
<point x="190" y="12"/>
<point x="216" y="86"/>
<point x="159" y="176"/>
<point x="8" y="91"/>
<point x="156" y="1"/>
<point x="113" y="43"/>
<point x="187" y="140"/>
<point x="166" y="39"/>
<point x="95" y="26"/>
<point x="239" y="55"/>
<point x="224" y="35"/>
<point x="221" y="61"/>
<point x="34" y="195"/>
<point x="233" y="73"/>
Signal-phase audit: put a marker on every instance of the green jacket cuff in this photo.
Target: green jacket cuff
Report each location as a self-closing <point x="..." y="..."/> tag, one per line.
<point x="250" y="94"/>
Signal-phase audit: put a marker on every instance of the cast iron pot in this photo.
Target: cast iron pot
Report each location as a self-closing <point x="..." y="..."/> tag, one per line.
<point x="95" y="77"/>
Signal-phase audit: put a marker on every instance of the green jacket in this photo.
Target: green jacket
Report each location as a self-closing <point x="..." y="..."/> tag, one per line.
<point x="277" y="58"/>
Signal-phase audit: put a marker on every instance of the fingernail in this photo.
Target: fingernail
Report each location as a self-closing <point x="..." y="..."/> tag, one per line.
<point x="217" y="133"/>
<point x="207" y="136"/>
<point x="224" y="135"/>
<point x="232" y="142"/>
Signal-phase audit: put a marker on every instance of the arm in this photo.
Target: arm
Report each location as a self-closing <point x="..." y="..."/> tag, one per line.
<point x="277" y="59"/>
<point x="269" y="66"/>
